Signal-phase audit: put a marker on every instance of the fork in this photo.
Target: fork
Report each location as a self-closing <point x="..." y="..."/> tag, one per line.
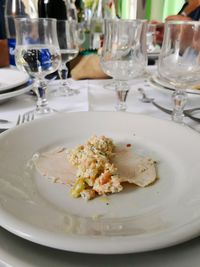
<point x="26" y="117"/>
<point x="187" y="112"/>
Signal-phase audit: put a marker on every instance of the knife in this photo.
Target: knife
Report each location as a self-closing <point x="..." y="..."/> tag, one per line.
<point x="3" y="130"/>
<point x="186" y="112"/>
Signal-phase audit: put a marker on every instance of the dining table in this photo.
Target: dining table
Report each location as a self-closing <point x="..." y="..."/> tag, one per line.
<point x="96" y="96"/>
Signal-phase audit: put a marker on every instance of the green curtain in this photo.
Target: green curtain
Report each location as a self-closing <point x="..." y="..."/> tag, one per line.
<point x="123" y="8"/>
<point x="160" y="9"/>
<point x="172" y="8"/>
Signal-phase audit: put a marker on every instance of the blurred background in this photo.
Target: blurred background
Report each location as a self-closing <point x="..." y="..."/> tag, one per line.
<point x="89" y="14"/>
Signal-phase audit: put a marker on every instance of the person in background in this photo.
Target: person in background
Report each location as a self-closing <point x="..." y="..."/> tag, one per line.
<point x="189" y="11"/>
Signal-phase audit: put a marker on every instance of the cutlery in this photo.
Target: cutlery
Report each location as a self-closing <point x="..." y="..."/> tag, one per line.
<point x="186" y="112"/>
<point x="26" y="117"/>
<point x="3" y="130"/>
<point x="4" y="121"/>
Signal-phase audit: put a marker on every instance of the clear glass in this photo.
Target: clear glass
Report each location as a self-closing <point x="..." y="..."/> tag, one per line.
<point x="179" y="61"/>
<point x="102" y="9"/>
<point x="143" y="41"/>
<point x="37" y="53"/>
<point x="71" y="10"/>
<point x="123" y="55"/>
<point x="152" y="46"/>
<point x="69" y="48"/>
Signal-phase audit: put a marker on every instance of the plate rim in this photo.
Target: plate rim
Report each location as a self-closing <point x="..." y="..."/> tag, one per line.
<point x="23" y="89"/>
<point x="103" y="246"/>
<point x="12" y="86"/>
<point x="154" y="79"/>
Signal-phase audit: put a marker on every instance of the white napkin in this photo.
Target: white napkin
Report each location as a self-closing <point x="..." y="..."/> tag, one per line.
<point x="19" y="105"/>
<point x="76" y="102"/>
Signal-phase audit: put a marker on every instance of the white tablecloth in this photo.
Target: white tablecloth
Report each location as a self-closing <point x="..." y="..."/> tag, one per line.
<point x="94" y="97"/>
<point x="17" y="252"/>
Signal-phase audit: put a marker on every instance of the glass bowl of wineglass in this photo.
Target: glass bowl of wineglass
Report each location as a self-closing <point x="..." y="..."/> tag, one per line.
<point x="179" y="61"/>
<point x="69" y="47"/>
<point x="37" y="53"/>
<point x="122" y="56"/>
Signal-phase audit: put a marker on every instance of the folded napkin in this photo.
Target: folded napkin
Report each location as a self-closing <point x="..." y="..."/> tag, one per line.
<point x="88" y="68"/>
<point x="77" y="102"/>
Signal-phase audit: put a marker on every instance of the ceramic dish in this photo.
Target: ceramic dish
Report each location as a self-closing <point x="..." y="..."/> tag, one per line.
<point x="156" y="80"/>
<point x="11" y="78"/>
<point x="136" y="219"/>
<point x="17" y="91"/>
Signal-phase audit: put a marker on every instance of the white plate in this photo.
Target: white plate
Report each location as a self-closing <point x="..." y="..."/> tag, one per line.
<point x="10" y="78"/>
<point x="20" y="90"/>
<point x="156" y="80"/>
<point x="160" y="215"/>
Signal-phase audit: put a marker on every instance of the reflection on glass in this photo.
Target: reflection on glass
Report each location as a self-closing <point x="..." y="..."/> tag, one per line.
<point x="179" y="62"/>
<point x="69" y="47"/>
<point x="123" y="56"/>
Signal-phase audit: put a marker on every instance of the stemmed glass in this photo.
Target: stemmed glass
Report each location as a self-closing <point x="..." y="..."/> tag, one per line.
<point x="122" y="55"/>
<point x="37" y="52"/>
<point x="152" y="46"/>
<point x="179" y="61"/>
<point x="69" y="47"/>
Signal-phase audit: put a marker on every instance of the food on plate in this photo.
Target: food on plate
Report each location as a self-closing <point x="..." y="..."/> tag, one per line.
<point x="98" y="167"/>
<point x="96" y="174"/>
<point x="54" y="164"/>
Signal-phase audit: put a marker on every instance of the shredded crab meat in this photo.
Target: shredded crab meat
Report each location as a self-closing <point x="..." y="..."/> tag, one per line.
<point x="98" y="175"/>
<point x="94" y="167"/>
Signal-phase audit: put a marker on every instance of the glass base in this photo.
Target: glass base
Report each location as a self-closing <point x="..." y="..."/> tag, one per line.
<point x="39" y="113"/>
<point x="178" y="118"/>
<point x="121" y="107"/>
<point x="43" y="111"/>
<point x="67" y="91"/>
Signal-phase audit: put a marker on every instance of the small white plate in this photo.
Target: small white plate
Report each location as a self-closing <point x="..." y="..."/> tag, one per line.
<point x="158" y="81"/>
<point x="11" y="78"/>
<point x="19" y="91"/>
<point x="136" y="219"/>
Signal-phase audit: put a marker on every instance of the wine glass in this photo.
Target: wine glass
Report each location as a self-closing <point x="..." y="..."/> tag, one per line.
<point x="143" y="51"/>
<point x="69" y="48"/>
<point x="37" y="52"/>
<point x="152" y="46"/>
<point x="122" y="55"/>
<point x="179" y="61"/>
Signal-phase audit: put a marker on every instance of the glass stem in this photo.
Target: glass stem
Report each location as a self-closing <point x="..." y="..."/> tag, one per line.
<point x="42" y="103"/>
<point x="65" y="89"/>
<point x="63" y="74"/>
<point x="179" y="98"/>
<point x="122" y="90"/>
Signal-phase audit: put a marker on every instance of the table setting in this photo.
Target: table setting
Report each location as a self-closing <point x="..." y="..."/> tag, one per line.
<point x="41" y="224"/>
